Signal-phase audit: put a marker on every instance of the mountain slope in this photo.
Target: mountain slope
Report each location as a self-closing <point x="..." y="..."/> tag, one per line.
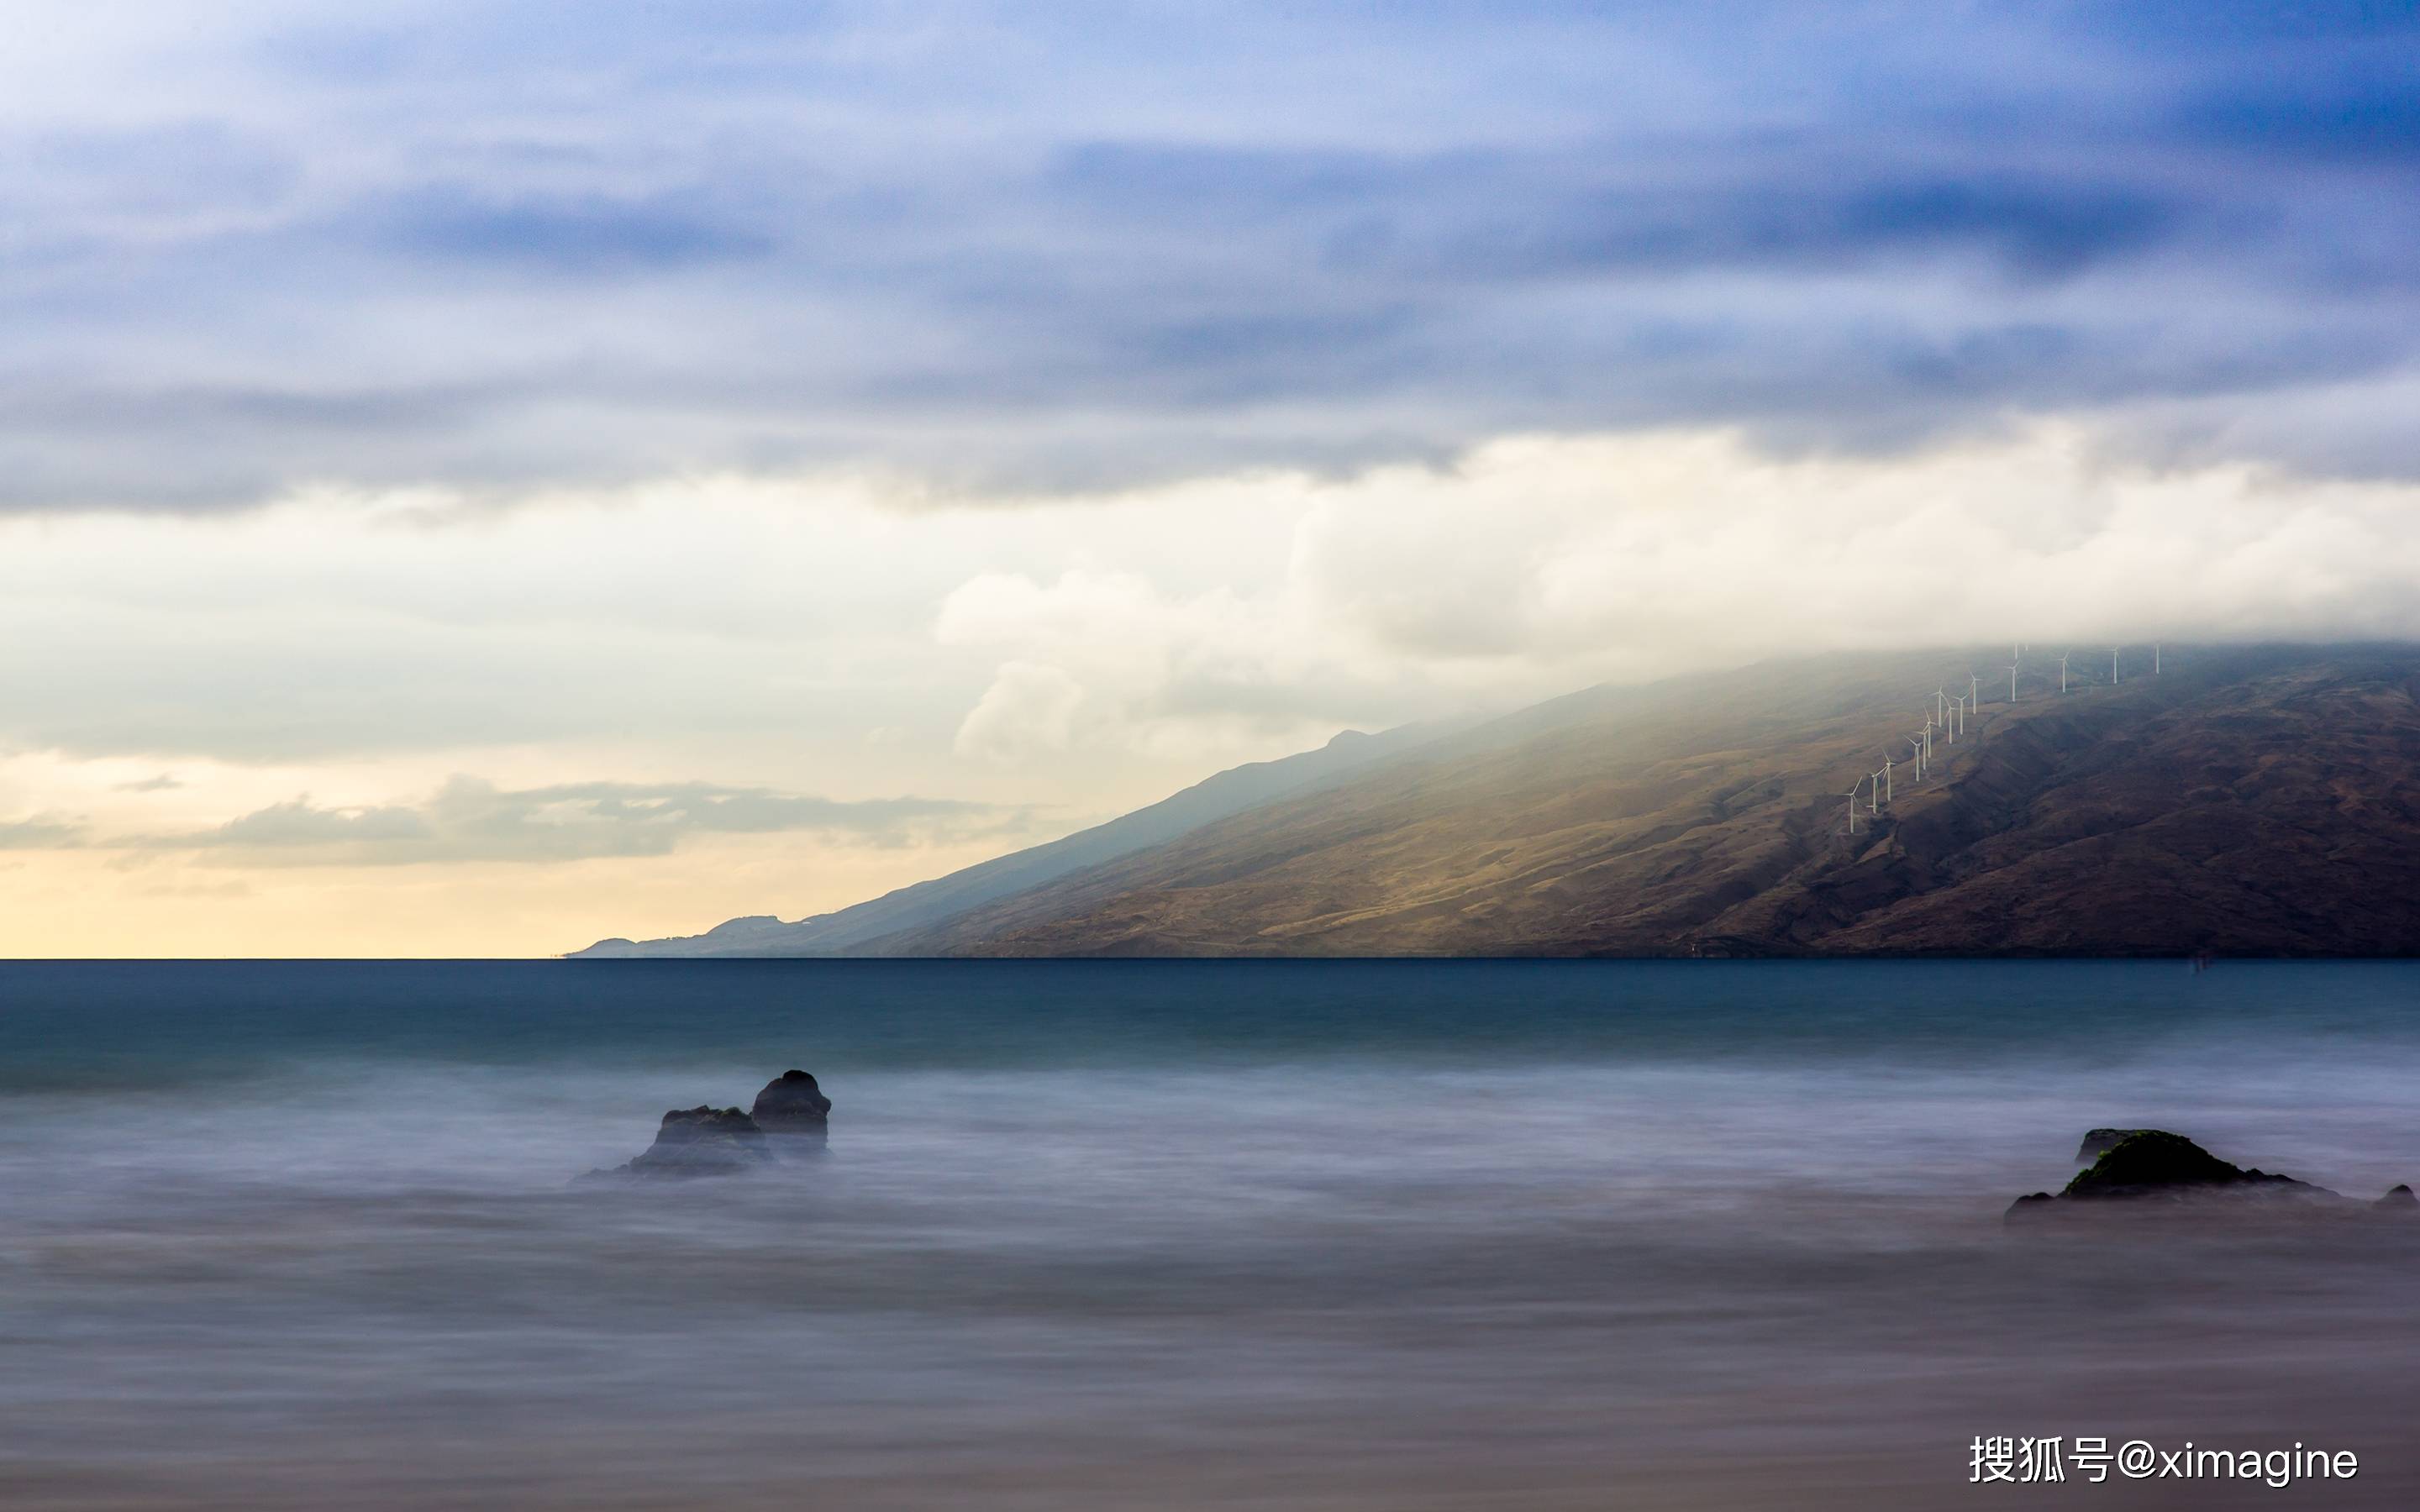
<point x="926" y="903"/>
<point x="2256" y="800"/>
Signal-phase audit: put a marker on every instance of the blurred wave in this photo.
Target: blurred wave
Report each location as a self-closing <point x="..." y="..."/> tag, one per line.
<point x="1542" y="1235"/>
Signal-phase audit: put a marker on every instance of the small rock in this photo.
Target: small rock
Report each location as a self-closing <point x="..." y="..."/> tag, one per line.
<point x="2152" y="1167"/>
<point x="695" y="1142"/>
<point x="792" y="1104"/>
<point x="2024" y="1203"/>
<point x="2154" y="1162"/>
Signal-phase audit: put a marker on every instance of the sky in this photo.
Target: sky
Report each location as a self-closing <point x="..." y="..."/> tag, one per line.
<point x="476" y="478"/>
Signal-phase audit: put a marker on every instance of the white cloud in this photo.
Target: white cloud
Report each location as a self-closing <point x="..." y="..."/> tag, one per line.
<point x="1108" y="659"/>
<point x="1613" y="554"/>
<point x="1538" y="565"/>
<point x="1030" y="709"/>
<point x="736" y="630"/>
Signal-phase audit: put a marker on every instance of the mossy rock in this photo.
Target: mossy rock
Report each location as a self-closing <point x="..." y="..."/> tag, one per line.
<point x="2099" y="1142"/>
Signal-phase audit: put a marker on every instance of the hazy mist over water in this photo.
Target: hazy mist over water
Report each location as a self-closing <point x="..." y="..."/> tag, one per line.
<point x="1389" y="1235"/>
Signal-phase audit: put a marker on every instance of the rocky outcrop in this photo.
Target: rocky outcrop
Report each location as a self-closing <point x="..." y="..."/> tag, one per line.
<point x="2156" y="1170"/>
<point x="794" y="1107"/>
<point x="2099" y="1142"/>
<point x="696" y="1142"/>
<point x="791" y="1117"/>
<point x="2153" y="1162"/>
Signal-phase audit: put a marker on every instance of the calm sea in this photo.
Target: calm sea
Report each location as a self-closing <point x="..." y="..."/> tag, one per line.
<point x="1123" y="1235"/>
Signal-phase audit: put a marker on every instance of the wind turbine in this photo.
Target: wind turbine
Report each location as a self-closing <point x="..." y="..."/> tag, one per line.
<point x="1889" y="788"/>
<point x="2112" y="666"/>
<point x="2012" y="682"/>
<point x="1917" y="741"/>
<point x="1873" y="793"/>
<point x="1853" y="804"/>
<point x="1974" y="689"/>
<point x="2062" y="672"/>
<point x="2155" y="658"/>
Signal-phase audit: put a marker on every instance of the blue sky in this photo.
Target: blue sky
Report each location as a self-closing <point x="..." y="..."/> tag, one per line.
<point x="1076" y="245"/>
<point x="479" y="477"/>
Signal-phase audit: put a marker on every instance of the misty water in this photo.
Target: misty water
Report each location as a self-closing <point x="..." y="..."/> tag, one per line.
<point x="1120" y="1235"/>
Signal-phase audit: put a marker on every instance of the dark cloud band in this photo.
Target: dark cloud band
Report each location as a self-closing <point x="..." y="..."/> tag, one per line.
<point x="1003" y="247"/>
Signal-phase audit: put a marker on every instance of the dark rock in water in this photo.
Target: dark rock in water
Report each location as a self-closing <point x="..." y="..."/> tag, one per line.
<point x="791" y="1104"/>
<point x="790" y="1118"/>
<point x="2154" y="1168"/>
<point x="2155" y="1163"/>
<point x="699" y="1141"/>
<point x="2099" y="1142"/>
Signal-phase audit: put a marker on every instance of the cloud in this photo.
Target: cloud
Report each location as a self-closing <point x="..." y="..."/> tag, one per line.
<point x="762" y="633"/>
<point x="580" y="235"/>
<point x="40" y="834"/>
<point x="1004" y="249"/>
<point x="1633" y="557"/>
<point x="1542" y="565"/>
<point x="471" y="820"/>
<point x="1111" y="658"/>
<point x="162" y="784"/>
<point x="1030" y="709"/>
<point x="184" y="891"/>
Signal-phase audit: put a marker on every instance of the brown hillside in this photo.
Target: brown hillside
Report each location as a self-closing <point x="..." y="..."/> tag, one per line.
<point x="2262" y="801"/>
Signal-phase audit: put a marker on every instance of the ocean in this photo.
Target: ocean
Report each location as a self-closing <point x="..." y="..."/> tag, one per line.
<point x="1174" y="1235"/>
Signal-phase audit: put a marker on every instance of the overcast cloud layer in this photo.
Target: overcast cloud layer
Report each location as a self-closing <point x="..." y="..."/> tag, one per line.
<point x="1065" y="245"/>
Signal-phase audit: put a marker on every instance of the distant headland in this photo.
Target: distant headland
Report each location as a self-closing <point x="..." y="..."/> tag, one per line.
<point x="2242" y="800"/>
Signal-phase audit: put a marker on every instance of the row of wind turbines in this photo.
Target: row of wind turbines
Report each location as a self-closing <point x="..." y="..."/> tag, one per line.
<point x="1947" y="715"/>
